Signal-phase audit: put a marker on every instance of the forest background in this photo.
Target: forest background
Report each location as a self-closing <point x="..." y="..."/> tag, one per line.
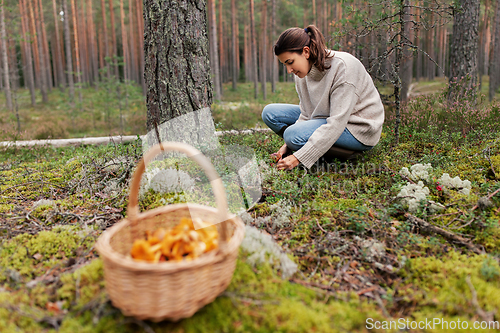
<point x="75" y="68"/>
<point x="361" y="247"/>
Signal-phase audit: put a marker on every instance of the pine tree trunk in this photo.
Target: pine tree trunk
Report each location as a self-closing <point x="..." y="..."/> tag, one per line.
<point x="463" y="57"/>
<point x="29" y="75"/>
<point x="86" y="76"/>
<point x="114" y="47"/>
<point x="222" y="60"/>
<point x="431" y="66"/>
<point x="214" y="56"/>
<point x="132" y="46"/>
<point x="177" y="68"/>
<point x="253" y="50"/>
<point x="234" y="42"/>
<point x="92" y="42"/>
<point x="126" y="60"/>
<point x="407" y="53"/>
<point x="41" y="55"/>
<point x="5" y="60"/>
<point x="45" y="43"/>
<point x="69" y="58"/>
<point x="495" y="57"/>
<point x="58" y="65"/>
<point x="77" y="50"/>
<point x="314" y="12"/>
<point x="263" y="62"/>
<point x="246" y="57"/>
<point x="106" y="41"/>
<point x="274" y="64"/>
<point x="140" y="26"/>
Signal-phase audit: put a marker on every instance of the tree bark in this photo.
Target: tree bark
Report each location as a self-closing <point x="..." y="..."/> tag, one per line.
<point x="69" y="57"/>
<point x="214" y="56"/>
<point x="5" y="60"/>
<point x="58" y="66"/>
<point x="93" y="43"/>
<point x="132" y="45"/>
<point x="177" y="69"/>
<point x="495" y="57"/>
<point x="263" y="61"/>
<point x="407" y="53"/>
<point x="106" y="42"/>
<point x="140" y="29"/>
<point x="463" y="56"/>
<point x="113" y="39"/>
<point x="274" y="65"/>
<point x="220" y="36"/>
<point x="41" y="54"/>
<point x="77" y="50"/>
<point x="253" y="50"/>
<point x="431" y="58"/>
<point x="126" y="60"/>
<point x="234" y="15"/>
<point x="29" y="75"/>
<point x="45" y="43"/>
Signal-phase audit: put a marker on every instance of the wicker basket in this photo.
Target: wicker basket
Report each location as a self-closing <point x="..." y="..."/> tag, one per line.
<point x="169" y="290"/>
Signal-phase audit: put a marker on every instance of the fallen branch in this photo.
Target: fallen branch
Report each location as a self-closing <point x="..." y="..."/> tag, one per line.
<point x="489" y="197"/>
<point x="449" y="236"/>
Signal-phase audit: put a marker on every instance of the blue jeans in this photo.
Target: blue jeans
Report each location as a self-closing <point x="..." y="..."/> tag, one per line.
<point x="279" y="117"/>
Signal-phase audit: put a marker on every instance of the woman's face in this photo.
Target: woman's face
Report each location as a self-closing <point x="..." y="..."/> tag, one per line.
<point x="296" y="63"/>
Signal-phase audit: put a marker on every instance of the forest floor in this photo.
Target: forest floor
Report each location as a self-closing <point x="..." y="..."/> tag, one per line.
<point x="366" y="253"/>
<point x="361" y="254"/>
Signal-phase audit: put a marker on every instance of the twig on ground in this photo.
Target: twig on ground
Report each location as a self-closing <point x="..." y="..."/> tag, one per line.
<point x="489" y="197"/>
<point x="319" y="226"/>
<point x="449" y="236"/>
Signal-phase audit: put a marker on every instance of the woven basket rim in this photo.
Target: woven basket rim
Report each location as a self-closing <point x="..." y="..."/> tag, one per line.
<point x="105" y="250"/>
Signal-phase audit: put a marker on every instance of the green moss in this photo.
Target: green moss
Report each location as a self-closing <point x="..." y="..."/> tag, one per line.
<point x="343" y="204"/>
<point x="495" y="163"/>
<point x="90" y="284"/>
<point x="5" y="208"/>
<point x="439" y="287"/>
<point x="53" y="246"/>
<point x="42" y="212"/>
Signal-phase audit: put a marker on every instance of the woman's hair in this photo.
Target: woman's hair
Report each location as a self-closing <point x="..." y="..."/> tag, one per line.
<point x="295" y="39"/>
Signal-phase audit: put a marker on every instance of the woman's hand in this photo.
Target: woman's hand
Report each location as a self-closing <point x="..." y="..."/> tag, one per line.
<point x="288" y="163"/>
<point x="279" y="155"/>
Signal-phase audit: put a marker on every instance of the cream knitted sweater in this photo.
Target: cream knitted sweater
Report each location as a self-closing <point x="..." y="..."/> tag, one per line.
<point x="345" y="96"/>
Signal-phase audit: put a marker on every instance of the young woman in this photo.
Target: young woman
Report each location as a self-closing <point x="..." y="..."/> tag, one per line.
<point x="340" y="112"/>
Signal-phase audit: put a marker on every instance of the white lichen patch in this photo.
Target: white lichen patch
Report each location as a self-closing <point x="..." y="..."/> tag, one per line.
<point x="417" y="172"/>
<point x="462" y="186"/>
<point x="262" y="248"/>
<point x="412" y="194"/>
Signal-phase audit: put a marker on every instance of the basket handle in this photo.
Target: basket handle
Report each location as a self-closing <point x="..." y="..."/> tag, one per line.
<point x="194" y="154"/>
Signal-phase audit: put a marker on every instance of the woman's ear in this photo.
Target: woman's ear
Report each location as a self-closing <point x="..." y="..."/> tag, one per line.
<point x="306" y="52"/>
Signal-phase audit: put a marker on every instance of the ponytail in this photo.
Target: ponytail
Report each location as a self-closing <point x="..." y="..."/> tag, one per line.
<point x="295" y="39"/>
